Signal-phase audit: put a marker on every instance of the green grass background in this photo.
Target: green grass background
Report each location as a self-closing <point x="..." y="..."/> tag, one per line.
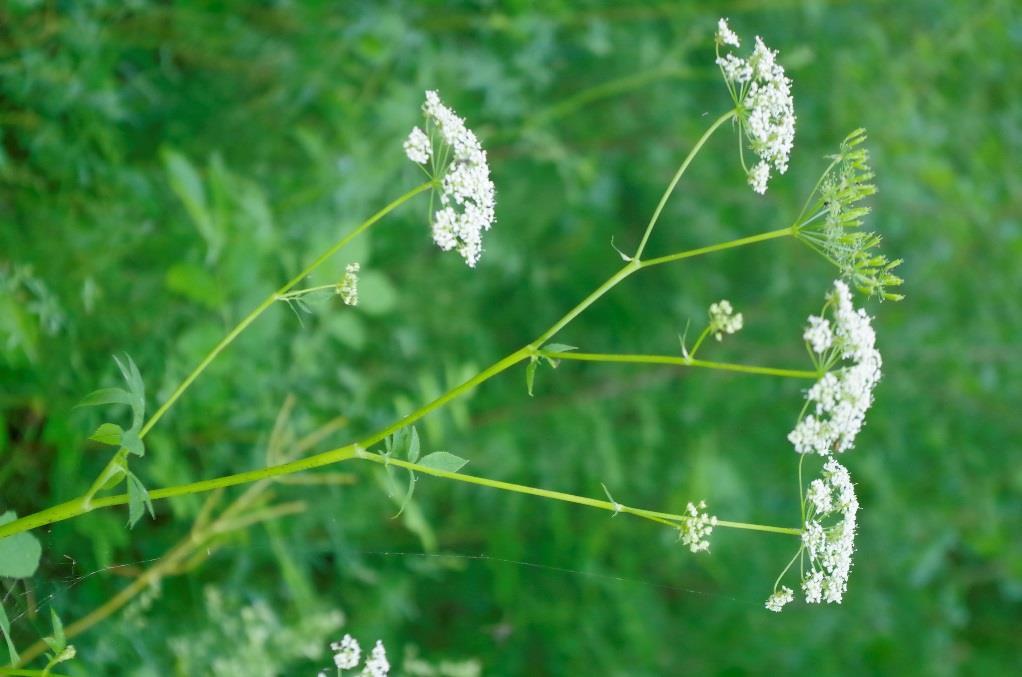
<point x="292" y="117"/>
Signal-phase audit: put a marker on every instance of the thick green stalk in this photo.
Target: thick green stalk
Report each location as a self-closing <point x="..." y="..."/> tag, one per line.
<point x="682" y="362"/>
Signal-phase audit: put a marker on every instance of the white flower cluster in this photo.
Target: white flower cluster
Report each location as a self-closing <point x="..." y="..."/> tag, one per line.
<point x="843" y="396"/>
<point x="417" y="147"/>
<point x="467" y="196"/>
<point x="776" y="601"/>
<point x="348" y="652"/>
<point x="348" y="286"/>
<point x="696" y="529"/>
<point x="377" y="664"/>
<point x="830" y="548"/>
<point x="819" y="334"/>
<point x="766" y="109"/>
<point x="724" y="319"/>
<point x="726" y="36"/>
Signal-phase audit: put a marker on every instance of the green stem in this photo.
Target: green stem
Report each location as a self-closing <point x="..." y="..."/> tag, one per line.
<point x="682" y="362"/>
<point x="567" y="498"/>
<point x="269" y="301"/>
<point x="80" y="505"/>
<point x="752" y="239"/>
<point x="614" y="280"/>
<point x="249" y="319"/>
<point x="308" y="290"/>
<point x="74" y="508"/>
<point x="699" y="341"/>
<point x="677" y="177"/>
<point x="87" y="503"/>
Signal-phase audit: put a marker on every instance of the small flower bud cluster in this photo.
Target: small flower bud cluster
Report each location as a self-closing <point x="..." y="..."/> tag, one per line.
<point x="723" y="319"/>
<point x="776" y="601"/>
<point x="766" y="110"/>
<point x="347" y="289"/>
<point x="467" y="195"/>
<point x="696" y="529"/>
<point x="348" y="652"/>
<point x="841" y="397"/>
<point x="832" y="222"/>
<point x="829" y="547"/>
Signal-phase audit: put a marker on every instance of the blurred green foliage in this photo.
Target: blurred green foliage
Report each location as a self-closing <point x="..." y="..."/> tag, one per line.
<point x="164" y="166"/>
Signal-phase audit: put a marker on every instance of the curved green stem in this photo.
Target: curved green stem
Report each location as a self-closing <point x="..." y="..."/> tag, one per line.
<point x="682" y="362"/>
<point x="677" y="177"/>
<point x="251" y="317"/>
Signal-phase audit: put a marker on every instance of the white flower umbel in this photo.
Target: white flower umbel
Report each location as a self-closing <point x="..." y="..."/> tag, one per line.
<point x="776" y="601"/>
<point x="347" y="289"/>
<point x="818" y="334"/>
<point x="347" y="653"/>
<point x="448" y="150"/>
<point x="829" y="534"/>
<point x="838" y="402"/>
<point x="765" y="109"/>
<point x="377" y="664"/>
<point x="726" y="36"/>
<point x="695" y="531"/>
<point x="724" y="319"/>
<point x="417" y="147"/>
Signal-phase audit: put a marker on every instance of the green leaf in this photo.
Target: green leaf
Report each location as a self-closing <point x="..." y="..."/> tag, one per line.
<point x="408" y="494"/>
<point x="558" y="348"/>
<point x="187" y="184"/>
<point x="5" y="628"/>
<point x="108" y="433"/>
<point x="19" y="553"/>
<point x="135" y="386"/>
<point x="441" y="460"/>
<point x="530" y="374"/>
<point x="57" y="641"/>
<point x="58" y="628"/>
<point x="132" y="442"/>
<point x="103" y="396"/>
<point x="131" y="375"/>
<point x="195" y="283"/>
<point x="413" y="446"/>
<point x="138" y="500"/>
<point x="376" y="293"/>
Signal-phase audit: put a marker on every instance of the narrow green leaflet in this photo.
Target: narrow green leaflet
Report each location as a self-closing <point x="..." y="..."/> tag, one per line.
<point x="530" y="374"/>
<point x="406" y="441"/>
<point x="57" y="641"/>
<point x="19" y="554"/>
<point x="135" y="386"/>
<point x="556" y="348"/>
<point x="5" y="628"/>
<point x="413" y="446"/>
<point x="103" y="396"/>
<point x="441" y="460"/>
<point x="108" y="433"/>
<point x="138" y="500"/>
